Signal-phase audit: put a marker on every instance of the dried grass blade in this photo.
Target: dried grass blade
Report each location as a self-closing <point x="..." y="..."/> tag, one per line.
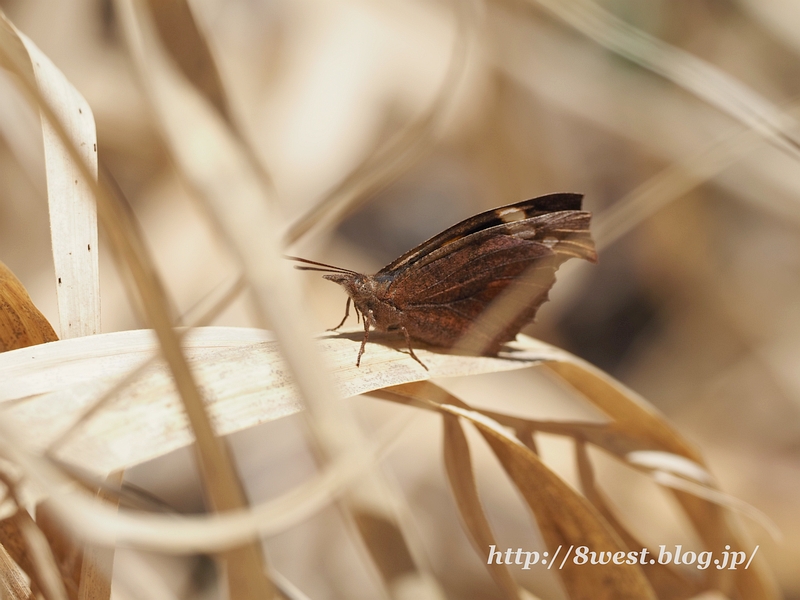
<point x="213" y="161"/>
<point x="73" y="212"/>
<point x="98" y="524"/>
<point x="187" y="46"/>
<point x="631" y="413"/>
<point x="222" y="173"/>
<point x="671" y="183"/>
<point x="655" y="460"/>
<point x="220" y="301"/>
<point x="12" y="541"/>
<point x="661" y="466"/>
<point x="64" y="378"/>
<point x="715" y="496"/>
<point x="186" y="43"/>
<point x="246" y="576"/>
<point x="224" y="489"/>
<point x="667" y="583"/>
<point x="386" y="545"/>
<point x="684" y="69"/>
<point x="67" y="551"/>
<point x="98" y="562"/>
<point x="462" y="483"/>
<point x="565" y="519"/>
<point x="636" y="420"/>
<point x="286" y="587"/>
<point x="95" y="575"/>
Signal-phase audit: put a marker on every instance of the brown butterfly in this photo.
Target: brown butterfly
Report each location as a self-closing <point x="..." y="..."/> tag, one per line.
<point x="434" y="292"/>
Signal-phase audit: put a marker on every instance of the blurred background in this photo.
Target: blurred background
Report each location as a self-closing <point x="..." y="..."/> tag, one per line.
<point x="695" y="302"/>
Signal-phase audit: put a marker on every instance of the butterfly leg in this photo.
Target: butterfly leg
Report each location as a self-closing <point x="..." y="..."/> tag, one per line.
<point x="410" y="349"/>
<point x="367" y="319"/>
<point x="346" y="314"/>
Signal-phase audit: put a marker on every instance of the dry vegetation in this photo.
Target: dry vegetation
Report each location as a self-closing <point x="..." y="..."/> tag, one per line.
<point x="244" y="458"/>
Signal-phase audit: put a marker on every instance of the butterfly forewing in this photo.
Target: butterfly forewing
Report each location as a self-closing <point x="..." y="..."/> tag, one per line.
<point x="505" y="215"/>
<point x="469" y="269"/>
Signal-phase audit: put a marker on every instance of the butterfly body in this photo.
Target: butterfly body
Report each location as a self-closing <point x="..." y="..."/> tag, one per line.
<point x="436" y="291"/>
<point x="370" y="298"/>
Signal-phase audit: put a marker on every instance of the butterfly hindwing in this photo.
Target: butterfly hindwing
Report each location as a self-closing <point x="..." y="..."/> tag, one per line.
<point x="442" y="311"/>
<point x="470" y="268"/>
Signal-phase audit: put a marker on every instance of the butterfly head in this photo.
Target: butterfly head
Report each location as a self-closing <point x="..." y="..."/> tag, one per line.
<point x="368" y="296"/>
<point x="355" y="284"/>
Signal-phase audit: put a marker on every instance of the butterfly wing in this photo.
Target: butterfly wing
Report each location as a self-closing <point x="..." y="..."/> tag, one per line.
<point x="442" y="292"/>
<point x="541" y="206"/>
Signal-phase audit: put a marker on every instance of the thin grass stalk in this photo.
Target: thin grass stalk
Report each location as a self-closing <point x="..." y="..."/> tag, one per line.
<point x="671" y="183"/>
<point x="693" y="74"/>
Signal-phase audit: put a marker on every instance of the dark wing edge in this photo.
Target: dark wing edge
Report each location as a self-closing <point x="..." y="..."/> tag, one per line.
<point x="561" y="201"/>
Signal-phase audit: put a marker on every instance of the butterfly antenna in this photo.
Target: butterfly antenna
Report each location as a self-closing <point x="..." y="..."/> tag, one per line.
<point x="324" y="267"/>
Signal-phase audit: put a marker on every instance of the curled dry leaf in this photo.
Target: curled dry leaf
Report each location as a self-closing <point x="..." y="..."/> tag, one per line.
<point x="21" y="323"/>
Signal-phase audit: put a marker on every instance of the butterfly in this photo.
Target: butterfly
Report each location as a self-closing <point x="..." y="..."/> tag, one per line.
<point x="433" y="293"/>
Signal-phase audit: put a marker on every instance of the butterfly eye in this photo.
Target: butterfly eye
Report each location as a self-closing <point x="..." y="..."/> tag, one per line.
<point x="511" y="214"/>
